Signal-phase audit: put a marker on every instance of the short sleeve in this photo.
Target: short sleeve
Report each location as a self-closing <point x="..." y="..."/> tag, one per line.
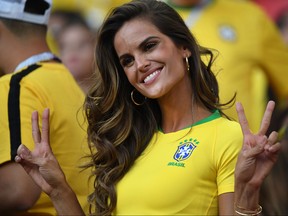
<point x="229" y="142"/>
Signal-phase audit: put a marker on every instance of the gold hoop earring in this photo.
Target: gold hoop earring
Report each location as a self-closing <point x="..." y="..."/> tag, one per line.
<point x="133" y="100"/>
<point x="187" y="64"/>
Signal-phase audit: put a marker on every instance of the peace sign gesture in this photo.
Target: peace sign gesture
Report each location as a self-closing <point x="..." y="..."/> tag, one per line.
<point x="45" y="170"/>
<point x="41" y="164"/>
<point x="257" y="157"/>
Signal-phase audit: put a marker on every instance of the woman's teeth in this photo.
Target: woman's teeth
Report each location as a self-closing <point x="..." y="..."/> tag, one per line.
<point x="151" y="76"/>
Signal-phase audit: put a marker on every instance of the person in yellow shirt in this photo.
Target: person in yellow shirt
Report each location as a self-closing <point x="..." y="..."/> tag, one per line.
<point x="35" y="79"/>
<point x="160" y="143"/>
<point x="277" y="10"/>
<point x="252" y="55"/>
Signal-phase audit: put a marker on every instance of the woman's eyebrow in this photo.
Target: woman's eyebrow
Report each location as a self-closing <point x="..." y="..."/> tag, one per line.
<point x="140" y="46"/>
<point x="143" y="43"/>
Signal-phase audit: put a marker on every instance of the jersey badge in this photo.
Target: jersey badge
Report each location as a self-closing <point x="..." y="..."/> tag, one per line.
<point x="184" y="151"/>
<point x="227" y="33"/>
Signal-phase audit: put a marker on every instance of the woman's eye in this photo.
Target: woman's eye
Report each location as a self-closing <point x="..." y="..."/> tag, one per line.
<point x="127" y="62"/>
<point x="149" y="46"/>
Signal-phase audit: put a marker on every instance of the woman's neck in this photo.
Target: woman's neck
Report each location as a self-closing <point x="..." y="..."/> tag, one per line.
<point x="179" y="109"/>
<point x="180" y="118"/>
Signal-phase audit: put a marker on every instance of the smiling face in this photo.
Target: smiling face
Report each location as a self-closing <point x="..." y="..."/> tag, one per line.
<point x="150" y="59"/>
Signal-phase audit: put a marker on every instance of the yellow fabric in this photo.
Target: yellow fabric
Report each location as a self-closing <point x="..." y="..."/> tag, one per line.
<point x="65" y="4"/>
<point x="246" y="39"/>
<point x="51" y="85"/>
<point x="102" y="6"/>
<point x="164" y="183"/>
<point x="52" y="43"/>
<point x="259" y="92"/>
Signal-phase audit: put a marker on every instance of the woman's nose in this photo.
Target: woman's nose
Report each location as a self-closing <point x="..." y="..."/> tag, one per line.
<point x="142" y="63"/>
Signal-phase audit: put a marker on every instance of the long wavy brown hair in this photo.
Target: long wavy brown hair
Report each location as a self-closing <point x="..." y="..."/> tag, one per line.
<point x="119" y="131"/>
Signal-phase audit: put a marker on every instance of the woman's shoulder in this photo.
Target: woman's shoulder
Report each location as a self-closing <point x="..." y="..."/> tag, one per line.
<point x="228" y="124"/>
<point x="228" y="130"/>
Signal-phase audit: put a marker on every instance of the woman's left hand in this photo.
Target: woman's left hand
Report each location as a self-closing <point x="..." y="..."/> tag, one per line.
<point x="256" y="159"/>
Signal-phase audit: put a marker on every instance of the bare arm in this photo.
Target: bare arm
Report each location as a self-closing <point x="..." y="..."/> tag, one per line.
<point x="257" y="157"/>
<point x="14" y="185"/>
<point x="65" y="201"/>
<point x="45" y="170"/>
<point x="255" y="160"/>
<point x="226" y="204"/>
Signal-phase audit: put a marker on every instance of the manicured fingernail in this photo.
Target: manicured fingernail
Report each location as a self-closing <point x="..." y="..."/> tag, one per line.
<point x="17" y="158"/>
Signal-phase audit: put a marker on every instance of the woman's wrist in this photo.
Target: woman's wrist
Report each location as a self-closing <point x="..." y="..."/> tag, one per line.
<point x="65" y="201"/>
<point x="247" y="212"/>
<point x="60" y="192"/>
<point x="247" y="197"/>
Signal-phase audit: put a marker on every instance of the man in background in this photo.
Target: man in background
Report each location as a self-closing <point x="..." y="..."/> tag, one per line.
<point x="36" y="79"/>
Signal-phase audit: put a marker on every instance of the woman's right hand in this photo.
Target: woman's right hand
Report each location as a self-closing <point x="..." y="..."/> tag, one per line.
<point x="41" y="163"/>
<point x="45" y="170"/>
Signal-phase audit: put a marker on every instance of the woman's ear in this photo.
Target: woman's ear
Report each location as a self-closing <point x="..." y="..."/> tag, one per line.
<point x="186" y="52"/>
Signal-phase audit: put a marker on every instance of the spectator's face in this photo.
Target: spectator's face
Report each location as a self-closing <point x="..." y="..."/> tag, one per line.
<point x="76" y="48"/>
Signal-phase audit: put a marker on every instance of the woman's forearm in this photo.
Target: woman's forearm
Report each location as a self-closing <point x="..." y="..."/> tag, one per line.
<point x="66" y="202"/>
<point x="246" y="199"/>
<point x="247" y="196"/>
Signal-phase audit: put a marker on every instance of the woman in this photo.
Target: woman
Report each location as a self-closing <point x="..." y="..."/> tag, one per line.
<point x="158" y="140"/>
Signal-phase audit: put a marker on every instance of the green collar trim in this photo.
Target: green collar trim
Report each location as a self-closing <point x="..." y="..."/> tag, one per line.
<point x="216" y="114"/>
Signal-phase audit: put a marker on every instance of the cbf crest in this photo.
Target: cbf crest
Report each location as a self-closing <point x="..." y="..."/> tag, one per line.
<point x="184" y="151"/>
